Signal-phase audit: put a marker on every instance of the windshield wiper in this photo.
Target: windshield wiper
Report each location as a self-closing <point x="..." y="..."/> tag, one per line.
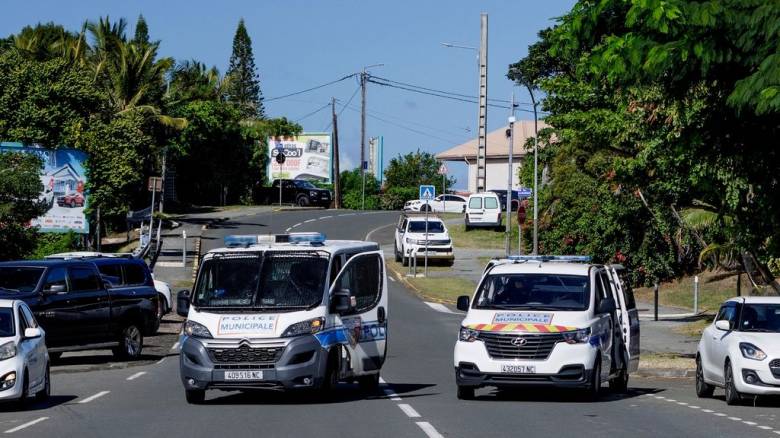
<point x="759" y="330"/>
<point x="529" y="307"/>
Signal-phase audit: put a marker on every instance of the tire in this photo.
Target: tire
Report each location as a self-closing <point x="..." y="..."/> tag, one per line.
<point x="131" y="343"/>
<point x="369" y="384"/>
<point x="397" y="254"/>
<point x="733" y="397"/>
<point x="302" y="201"/>
<point x="619" y="384"/>
<point x="160" y="312"/>
<point x="405" y="261"/>
<point x="195" y="396"/>
<point x="44" y="393"/>
<point x="703" y="389"/>
<point x="330" y="379"/>
<point x="465" y="392"/>
<point x="594" y="388"/>
<point x="24" y="399"/>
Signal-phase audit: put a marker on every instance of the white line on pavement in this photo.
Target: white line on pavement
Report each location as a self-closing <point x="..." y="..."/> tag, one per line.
<point x="429" y="429"/>
<point x="325" y="217"/>
<point x="408" y="410"/>
<point x="389" y="392"/>
<point x="175" y="346"/>
<point x="750" y="423"/>
<point x="764" y="427"/>
<point x="694" y="407"/>
<point x="136" y="375"/>
<point x="160" y="361"/>
<point x="439" y="307"/>
<point x="682" y="403"/>
<point x="777" y="432"/>
<point x="309" y="220"/>
<point x="93" y="397"/>
<point x="735" y="419"/>
<point x="296" y="225"/>
<point x="718" y="414"/>
<point x="391" y="278"/>
<point x="287" y="230"/>
<point x="709" y="411"/>
<point x="27" y="424"/>
<point x="370" y="233"/>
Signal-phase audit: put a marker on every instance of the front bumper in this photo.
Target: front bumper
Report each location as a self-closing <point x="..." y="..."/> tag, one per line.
<point x="569" y="376"/>
<point x="302" y="364"/>
<point x="434" y="252"/>
<point x="768" y="383"/>
<point x="12" y="365"/>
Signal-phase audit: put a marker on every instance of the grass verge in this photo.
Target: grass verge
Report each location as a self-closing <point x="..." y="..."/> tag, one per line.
<point x="693" y="329"/>
<point x="435" y="288"/>
<point x="665" y="361"/>
<point x="481" y="238"/>
<point x="679" y="293"/>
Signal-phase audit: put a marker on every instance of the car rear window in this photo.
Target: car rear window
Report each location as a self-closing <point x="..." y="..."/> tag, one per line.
<point x="135" y="274"/>
<point x="475" y="202"/>
<point x="491" y="202"/>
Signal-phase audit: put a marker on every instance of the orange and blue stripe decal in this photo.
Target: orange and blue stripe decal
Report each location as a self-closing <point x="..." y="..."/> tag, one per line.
<point x="530" y="328"/>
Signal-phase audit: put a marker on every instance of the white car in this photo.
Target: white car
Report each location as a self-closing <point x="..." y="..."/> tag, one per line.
<point x="740" y="350"/>
<point x="541" y="321"/>
<point x="483" y="210"/>
<point x="440" y="204"/>
<point x="24" y="360"/>
<point x="410" y="239"/>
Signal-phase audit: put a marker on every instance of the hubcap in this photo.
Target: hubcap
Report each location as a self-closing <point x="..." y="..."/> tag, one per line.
<point x="132" y="340"/>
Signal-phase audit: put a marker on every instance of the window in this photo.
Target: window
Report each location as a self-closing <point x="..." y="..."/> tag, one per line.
<point x="83" y="279"/>
<point x="56" y="277"/>
<point x="533" y="291"/>
<point x="28" y="316"/>
<point x="628" y="292"/>
<point x="23" y="324"/>
<point x="491" y="202"/>
<point x="419" y="227"/>
<point x="7" y="322"/>
<point x="134" y="274"/>
<point x="112" y="273"/>
<point x="475" y="203"/>
<point x="335" y="267"/>
<point x="607" y="287"/>
<point x="19" y="279"/>
<point x="728" y="312"/>
<point x="363" y="279"/>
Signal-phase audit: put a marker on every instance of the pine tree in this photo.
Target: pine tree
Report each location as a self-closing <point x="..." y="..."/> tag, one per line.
<point x="141" y="32"/>
<point x="244" y="83"/>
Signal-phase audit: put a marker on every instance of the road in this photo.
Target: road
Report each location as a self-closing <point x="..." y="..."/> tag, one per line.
<point x="417" y="400"/>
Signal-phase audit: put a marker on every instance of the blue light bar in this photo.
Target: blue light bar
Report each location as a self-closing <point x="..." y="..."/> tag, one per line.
<point x="311" y="238"/>
<point x="240" y="240"/>
<point x="551" y="258"/>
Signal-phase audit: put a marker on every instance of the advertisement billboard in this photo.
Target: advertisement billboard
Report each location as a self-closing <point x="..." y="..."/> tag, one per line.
<point x="64" y="179"/>
<point x="308" y="156"/>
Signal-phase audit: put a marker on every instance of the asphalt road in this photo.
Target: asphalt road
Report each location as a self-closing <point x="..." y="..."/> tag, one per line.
<point x="418" y="399"/>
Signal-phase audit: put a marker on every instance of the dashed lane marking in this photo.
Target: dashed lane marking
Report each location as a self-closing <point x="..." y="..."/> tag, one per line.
<point x="296" y="225"/>
<point x="389" y="392"/>
<point x="93" y="397"/>
<point x="764" y="427"/>
<point x="325" y="217"/>
<point x="440" y="308"/>
<point x="160" y="361"/>
<point x="390" y="277"/>
<point x="429" y="429"/>
<point x="718" y="414"/>
<point x="309" y="221"/>
<point x="709" y="411"/>
<point x="735" y="419"/>
<point x="408" y="410"/>
<point x="26" y="425"/>
<point x="136" y="375"/>
<point x="750" y="423"/>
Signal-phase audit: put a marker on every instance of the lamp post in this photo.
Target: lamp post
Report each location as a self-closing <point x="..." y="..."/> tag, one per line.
<point x="363" y="77"/>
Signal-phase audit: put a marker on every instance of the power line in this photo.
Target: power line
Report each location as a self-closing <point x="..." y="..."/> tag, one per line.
<point x="443" y="92"/>
<point x="400" y="119"/>
<point x="312" y="113"/>
<point x="270" y="99"/>
<point x="398" y="125"/>
<point x="342" y="109"/>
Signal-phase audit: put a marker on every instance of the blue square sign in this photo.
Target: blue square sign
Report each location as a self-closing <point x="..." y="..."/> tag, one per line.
<point x="427" y="193"/>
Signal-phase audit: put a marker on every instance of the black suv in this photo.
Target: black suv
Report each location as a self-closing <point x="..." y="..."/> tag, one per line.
<point x="78" y="309"/>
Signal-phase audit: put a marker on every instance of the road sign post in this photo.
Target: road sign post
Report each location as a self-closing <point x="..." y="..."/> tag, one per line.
<point x="427" y="193"/>
<point x="443" y="172"/>
<point x="280" y="158"/>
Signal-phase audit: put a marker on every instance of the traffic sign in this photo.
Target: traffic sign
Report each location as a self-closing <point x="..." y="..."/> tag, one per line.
<point x="442" y="169"/>
<point x="279" y="148"/>
<point x="427" y="193"/>
<point x="155" y="184"/>
<point x="523" y="192"/>
<point x="280" y="158"/>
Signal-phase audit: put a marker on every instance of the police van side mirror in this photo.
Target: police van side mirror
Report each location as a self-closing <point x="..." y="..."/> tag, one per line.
<point x="463" y="303"/>
<point x="341" y="301"/>
<point x="607" y="305"/>
<point x="183" y="303"/>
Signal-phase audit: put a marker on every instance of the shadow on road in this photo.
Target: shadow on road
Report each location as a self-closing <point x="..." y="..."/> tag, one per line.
<point x="33" y="405"/>
<point x="560" y="395"/>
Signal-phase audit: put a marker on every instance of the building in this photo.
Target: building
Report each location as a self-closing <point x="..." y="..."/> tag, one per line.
<point x="497" y="155"/>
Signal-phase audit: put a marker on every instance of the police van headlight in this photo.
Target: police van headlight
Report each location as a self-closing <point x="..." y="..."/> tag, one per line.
<point x="468" y="335"/>
<point x="7" y="350"/>
<point x="196" y="330"/>
<point x="309" y="327"/>
<point x="580" y="336"/>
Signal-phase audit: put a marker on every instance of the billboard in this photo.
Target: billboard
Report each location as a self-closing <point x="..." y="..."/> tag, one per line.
<point x="64" y="179"/>
<point x="308" y="156"/>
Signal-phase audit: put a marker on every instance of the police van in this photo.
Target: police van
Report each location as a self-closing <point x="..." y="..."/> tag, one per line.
<point x="537" y="321"/>
<point x="284" y="312"/>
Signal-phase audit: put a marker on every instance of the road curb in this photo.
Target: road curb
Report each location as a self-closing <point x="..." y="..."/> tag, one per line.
<point x="401" y="277"/>
<point x="674" y="373"/>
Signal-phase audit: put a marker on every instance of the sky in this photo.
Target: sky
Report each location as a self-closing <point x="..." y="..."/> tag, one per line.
<point x="299" y="44"/>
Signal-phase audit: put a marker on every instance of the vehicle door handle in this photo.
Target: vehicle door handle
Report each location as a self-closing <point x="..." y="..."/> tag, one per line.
<point x="380" y="315"/>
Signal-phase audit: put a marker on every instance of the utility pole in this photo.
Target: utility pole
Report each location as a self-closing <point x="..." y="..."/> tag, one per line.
<point x="363" y="136"/>
<point x="482" y="126"/>
<point x="336" y="171"/>
<point x="511" y="136"/>
<point x="536" y="176"/>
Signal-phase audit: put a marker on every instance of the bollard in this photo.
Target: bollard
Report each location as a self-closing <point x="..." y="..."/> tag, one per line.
<point x="696" y="295"/>
<point x="655" y="299"/>
<point x="183" y="248"/>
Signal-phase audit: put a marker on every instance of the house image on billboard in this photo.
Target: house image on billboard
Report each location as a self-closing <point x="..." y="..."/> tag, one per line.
<point x="65" y="180"/>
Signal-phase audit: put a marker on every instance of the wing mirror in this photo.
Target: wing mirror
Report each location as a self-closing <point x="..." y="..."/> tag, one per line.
<point x="341" y="301"/>
<point x="463" y="303"/>
<point x="723" y="325"/>
<point x="183" y="303"/>
<point x="55" y="289"/>
<point x="607" y="305"/>
<point x="32" y="333"/>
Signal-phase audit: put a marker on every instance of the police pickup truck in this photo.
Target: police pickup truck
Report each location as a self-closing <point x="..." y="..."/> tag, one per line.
<point x="538" y="321"/>
<point x="292" y="311"/>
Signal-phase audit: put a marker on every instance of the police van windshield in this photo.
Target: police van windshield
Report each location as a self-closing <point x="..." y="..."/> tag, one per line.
<point x="270" y="281"/>
<point x="534" y="291"/>
<point x="419" y="227"/>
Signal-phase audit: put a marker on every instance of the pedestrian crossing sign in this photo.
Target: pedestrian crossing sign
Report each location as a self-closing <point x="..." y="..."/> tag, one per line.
<point x="427" y="193"/>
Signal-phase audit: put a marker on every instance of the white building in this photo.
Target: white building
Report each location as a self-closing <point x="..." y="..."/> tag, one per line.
<point x="497" y="157"/>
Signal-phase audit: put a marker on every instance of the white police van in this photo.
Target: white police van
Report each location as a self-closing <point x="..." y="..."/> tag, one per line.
<point x="284" y="312"/>
<point x="538" y="321"/>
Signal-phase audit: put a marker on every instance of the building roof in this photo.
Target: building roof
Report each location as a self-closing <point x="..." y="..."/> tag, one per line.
<point x="497" y="143"/>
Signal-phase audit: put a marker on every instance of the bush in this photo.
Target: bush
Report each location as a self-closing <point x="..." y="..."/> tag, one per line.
<point x="353" y="201"/>
<point x="53" y="243"/>
<point x="395" y="197"/>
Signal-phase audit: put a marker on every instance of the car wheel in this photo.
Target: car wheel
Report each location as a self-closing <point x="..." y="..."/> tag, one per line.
<point x="195" y="396"/>
<point x="703" y="389"/>
<point x="24" y="399"/>
<point x="302" y="201"/>
<point x="160" y="306"/>
<point x="330" y="379"/>
<point x="44" y="393"/>
<point x="131" y="343"/>
<point x="369" y="384"/>
<point x="594" y="388"/>
<point x="733" y="397"/>
<point x="397" y="254"/>
<point x="405" y="261"/>
<point x="465" y="392"/>
<point x="619" y="384"/>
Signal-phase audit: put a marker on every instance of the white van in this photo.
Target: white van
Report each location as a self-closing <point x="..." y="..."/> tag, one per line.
<point x="290" y="311"/>
<point x="538" y="321"/>
<point x="483" y="210"/>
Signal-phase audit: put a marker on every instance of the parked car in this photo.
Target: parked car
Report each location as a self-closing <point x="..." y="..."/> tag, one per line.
<point x="24" y="362"/>
<point x="440" y="204"/>
<point x="71" y="200"/>
<point x="115" y="268"/>
<point x="295" y="191"/>
<point x="78" y="309"/>
<point x="411" y="239"/>
<point x="740" y="350"/>
<point x="483" y="210"/>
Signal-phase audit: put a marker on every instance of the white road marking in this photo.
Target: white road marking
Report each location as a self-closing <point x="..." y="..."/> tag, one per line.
<point x="671" y="400"/>
<point x="309" y="220"/>
<point x="718" y="414"/>
<point x="709" y="411"/>
<point x="408" y="410"/>
<point x="27" y="424"/>
<point x="136" y="375"/>
<point x="694" y="407"/>
<point x="429" y="429"/>
<point x="439" y="307"/>
<point x="682" y="403"/>
<point x="325" y="217"/>
<point x="370" y="233"/>
<point x="160" y="361"/>
<point x="389" y="392"/>
<point x="777" y="432"/>
<point x="764" y="427"/>
<point x="296" y="225"/>
<point x="287" y="230"/>
<point x="93" y="397"/>
<point x="735" y="419"/>
<point x="175" y="346"/>
<point x="750" y="423"/>
<point x="390" y="277"/>
<point x="660" y="397"/>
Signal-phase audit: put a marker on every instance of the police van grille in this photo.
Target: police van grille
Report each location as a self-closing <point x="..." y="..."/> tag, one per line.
<point x="537" y="346"/>
<point x="245" y="354"/>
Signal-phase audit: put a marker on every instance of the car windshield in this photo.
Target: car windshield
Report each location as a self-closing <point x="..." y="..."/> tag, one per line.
<point x="534" y="291"/>
<point x="269" y="281"/>
<point x="6" y="322"/>
<point x="304" y="184"/>
<point x="19" y="279"/>
<point x="760" y="318"/>
<point x="419" y="227"/>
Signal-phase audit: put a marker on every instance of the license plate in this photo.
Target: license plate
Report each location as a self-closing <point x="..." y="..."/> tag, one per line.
<point x="518" y="369"/>
<point x="243" y="375"/>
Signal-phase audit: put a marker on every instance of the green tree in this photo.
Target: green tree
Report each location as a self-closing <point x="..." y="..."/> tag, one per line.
<point x="352" y="190"/>
<point x="415" y="169"/>
<point x="141" y="37"/>
<point x="244" y="84"/>
<point x="20" y="186"/>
